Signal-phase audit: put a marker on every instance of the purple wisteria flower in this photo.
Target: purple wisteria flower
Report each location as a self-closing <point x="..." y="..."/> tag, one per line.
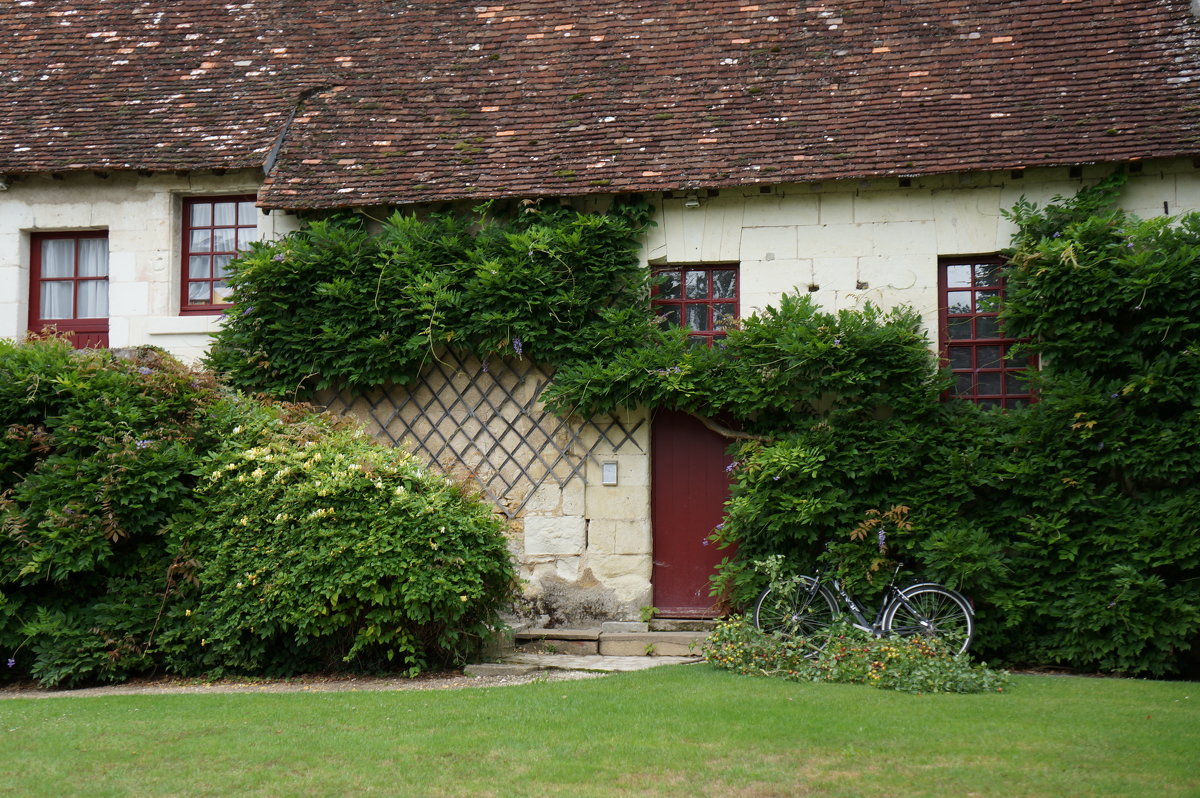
<point x="145" y="370"/>
<point x="12" y="663"/>
<point x="517" y="346"/>
<point x="729" y="468"/>
<point x="143" y="444"/>
<point x="484" y="365"/>
<point x="278" y="258"/>
<point x="882" y="535"/>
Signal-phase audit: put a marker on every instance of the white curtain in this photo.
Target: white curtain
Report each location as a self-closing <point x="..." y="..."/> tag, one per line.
<point x="93" y="293"/>
<point x="69" y="270"/>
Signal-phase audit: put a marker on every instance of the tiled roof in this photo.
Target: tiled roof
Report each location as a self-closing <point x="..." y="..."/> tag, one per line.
<point x="428" y="99"/>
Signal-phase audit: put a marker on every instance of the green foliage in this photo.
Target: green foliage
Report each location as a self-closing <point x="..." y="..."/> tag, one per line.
<point x="338" y="305"/>
<point x="318" y="547"/>
<point x="119" y="552"/>
<point x="773" y="371"/>
<point x="908" y="664"/>
<point x="1072" y="522"/>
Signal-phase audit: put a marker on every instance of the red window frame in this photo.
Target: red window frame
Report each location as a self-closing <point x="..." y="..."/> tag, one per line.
<point x="84" y="331"/>
<point x="973" y="344"/>
<point x="701" y="297"/>
<point x="209" y="243"/>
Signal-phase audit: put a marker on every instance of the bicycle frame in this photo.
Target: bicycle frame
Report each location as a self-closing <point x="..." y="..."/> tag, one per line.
<point x="891" y="594"/>
<point x="860" y="620"/>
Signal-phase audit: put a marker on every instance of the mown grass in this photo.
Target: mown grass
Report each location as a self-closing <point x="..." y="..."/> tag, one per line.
<point x="674" y="731"/>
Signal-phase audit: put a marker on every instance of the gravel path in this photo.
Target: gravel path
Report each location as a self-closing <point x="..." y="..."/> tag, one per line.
<point x="300" y="684"/>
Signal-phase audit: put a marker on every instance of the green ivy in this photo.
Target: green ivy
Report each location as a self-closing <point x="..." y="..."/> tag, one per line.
<point x="339" y="305"/>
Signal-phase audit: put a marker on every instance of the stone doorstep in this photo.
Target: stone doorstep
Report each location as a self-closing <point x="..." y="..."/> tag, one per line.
<point x="587" y="642"/>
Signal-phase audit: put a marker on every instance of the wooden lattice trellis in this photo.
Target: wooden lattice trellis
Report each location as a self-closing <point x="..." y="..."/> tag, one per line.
<point x="484" y="420"/>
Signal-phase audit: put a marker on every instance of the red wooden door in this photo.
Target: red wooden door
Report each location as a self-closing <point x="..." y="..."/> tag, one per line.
<point x="68" y="286"/>
<point x="688" y="491"/>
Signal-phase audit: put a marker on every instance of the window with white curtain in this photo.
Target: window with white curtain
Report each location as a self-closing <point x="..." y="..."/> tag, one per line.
<point x="73" y="276"/>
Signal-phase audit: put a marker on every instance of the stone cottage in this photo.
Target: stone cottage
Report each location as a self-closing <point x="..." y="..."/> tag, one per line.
<point x="856" y="150"/>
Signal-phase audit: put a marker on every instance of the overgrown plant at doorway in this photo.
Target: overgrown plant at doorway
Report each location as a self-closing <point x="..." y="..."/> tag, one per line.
<point x="1073" y="522"/>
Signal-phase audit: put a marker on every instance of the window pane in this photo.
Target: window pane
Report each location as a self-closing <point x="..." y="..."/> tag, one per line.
<point x="93" y="299"/>
<point x="987" y="301"/>
<point x="1016" y="382"/>
<point x="221" y="265"/>
<point x="246" y="235"/>
<point x="987" y="357"/>
<point x="958" y="329"/>
<point x="987" y="327"/>
<point x="58" y="300"/>
<point x="246" y="213"/>
<point x="224" y="239"/>
<point x="959" y="357"/>
<point x="988" y="382"/>
<point x="725" y="284"/>
<point x="225" y="213"/>
<point x="958" y="301"/>
<point x="198" y="293"/>
<point x="697" y="317"/>
<point x="697" y="285"/>
<point x="724" y="313"/>
<point x="201" y="241"/>
<point x="670" y="286"/>
<point x="201" y="215"/>
<point x="93" y="258"/>
<point x="58" y="260"/>
<point x="221" y="291"/>
<point x="670" y="313"/>
<point x="964" y="384"/>
<point x="987" y="274"/>
<point x="958" y="275"/>
<point x="1018" y="362"/>
<point x="199" y="266"/>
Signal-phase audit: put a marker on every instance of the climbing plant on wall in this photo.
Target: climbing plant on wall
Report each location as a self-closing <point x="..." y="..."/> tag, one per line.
<point x="340" y="304"/>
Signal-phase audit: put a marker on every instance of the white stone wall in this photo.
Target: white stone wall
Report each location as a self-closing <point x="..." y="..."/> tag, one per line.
<point x="831" y="238"/>
<point x="142" y="216"/>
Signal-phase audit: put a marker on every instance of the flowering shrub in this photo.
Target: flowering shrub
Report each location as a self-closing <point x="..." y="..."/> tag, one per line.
<point x="908" y="664"/>
<point x="317" y="547"/>
<point x="150" y="520"/>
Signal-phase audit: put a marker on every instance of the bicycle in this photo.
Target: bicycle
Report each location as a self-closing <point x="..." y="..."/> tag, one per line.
<point x="808" y="609"/>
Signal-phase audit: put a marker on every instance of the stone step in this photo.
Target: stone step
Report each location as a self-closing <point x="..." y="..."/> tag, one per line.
<point x="617" y="639"/>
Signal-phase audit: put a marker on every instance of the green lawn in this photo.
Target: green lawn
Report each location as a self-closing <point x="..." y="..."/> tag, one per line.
<point x="686" y="731"/>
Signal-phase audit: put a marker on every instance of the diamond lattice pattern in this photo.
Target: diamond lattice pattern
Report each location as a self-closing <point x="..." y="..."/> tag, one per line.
<point x="484" y="421"/>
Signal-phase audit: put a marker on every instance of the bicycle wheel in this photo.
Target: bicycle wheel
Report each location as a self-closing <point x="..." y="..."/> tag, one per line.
<point x="803" y="610"/>
<point x="934" y="611"/>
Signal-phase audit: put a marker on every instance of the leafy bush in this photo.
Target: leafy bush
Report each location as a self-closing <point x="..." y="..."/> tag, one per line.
<point x="337" y="305"/>
<point x="317" y="547"/>
<point x="909" y="664"/>
<point x="121" y="553"/>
